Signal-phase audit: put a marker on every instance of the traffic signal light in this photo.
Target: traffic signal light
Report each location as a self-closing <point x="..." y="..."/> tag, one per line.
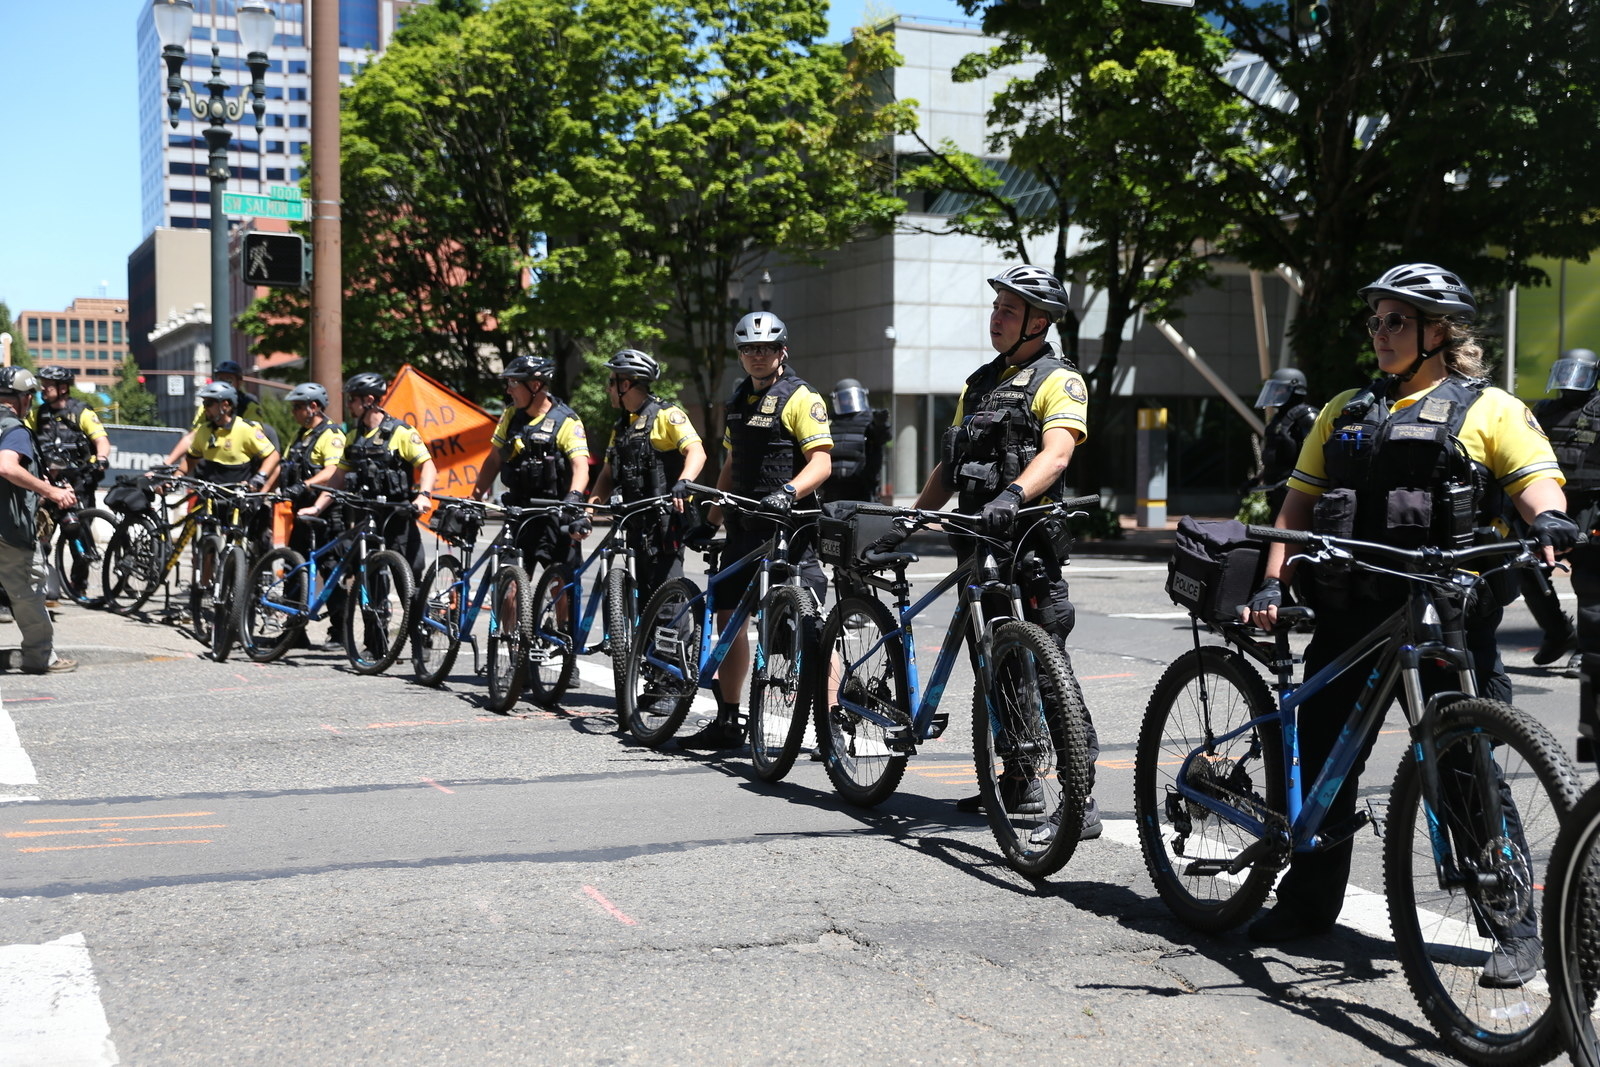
<point x="274" y="259"/>
<point x="1311" y="16"/>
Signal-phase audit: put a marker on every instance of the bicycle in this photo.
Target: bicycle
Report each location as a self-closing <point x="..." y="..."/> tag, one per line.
<point x="1476" y="801"/>
<point x="221" y="561"/>
<point x="1572" y="927"/>
<point x="560" y="631"/>
<point x="447" y="609"/>
<point x="81" y="534"/>
<point x="674" y="656"/>
<point x="285" y="591"/>
<point x="1028" y="717"/>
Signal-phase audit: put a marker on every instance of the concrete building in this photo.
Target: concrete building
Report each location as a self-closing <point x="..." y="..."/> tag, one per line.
<point x="169" y="271"/>
<point x="91" y="337"/>
<point x="182" y="348"/>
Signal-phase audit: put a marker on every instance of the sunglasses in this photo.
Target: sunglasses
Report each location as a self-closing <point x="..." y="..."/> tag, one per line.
<point x="617" y="381"/>
<point x="760" y="350"/>
<point x="1394" y="322"/>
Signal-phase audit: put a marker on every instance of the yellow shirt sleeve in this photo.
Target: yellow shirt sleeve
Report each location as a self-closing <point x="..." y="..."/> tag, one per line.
<point x="572" y="440"/>
<point x="1063" y="401"/>
<point x="672" y="430"/>
<point x="328" y="449"/>
<point x="805" y="416"/>
<point x="501" y="429"/>
<point x="407" y="441"/>
<point x="90" y="424"/>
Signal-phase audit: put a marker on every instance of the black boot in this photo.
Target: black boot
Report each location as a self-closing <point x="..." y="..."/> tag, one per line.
<point x="715" y="735"/>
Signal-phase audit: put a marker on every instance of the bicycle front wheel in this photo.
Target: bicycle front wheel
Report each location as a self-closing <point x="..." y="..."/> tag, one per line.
<point x="784" y="684"/>
<point x="1572" y="927"/>
<point x="510" y="623"/>
<point x="865" y="671"/>
<point x="664" y="670"/>
<point x="1030" y="750"/>
<point x="552" y="646"/>
<point x="80" y="556"/>
<point x="436" y="633"/>
<point x="135" y="563"/>
<point x="1206" y="694"/>
<point x="622" y="612"/>
<point x="270" y="610"/>
<point x="228" y="584"/>
<point x="376" y="613"/>
<point x="203" y="587"/>
<point x="1445" y="934"/>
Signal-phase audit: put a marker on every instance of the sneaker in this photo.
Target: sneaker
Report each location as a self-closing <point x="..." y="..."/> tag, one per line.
<point x="1574" y="667"/>
<point x="334" y="643"/>
<point x="1285" y="923"/>
<point x="1020" y="797"/>
<point x="1092" y="826"/>
<point x="1554" y="647"/>
<point x="6" y="616"/>
<point x="1515" y="961"/>
<point x="61" y="665"/>
<point x="714" y="736"/>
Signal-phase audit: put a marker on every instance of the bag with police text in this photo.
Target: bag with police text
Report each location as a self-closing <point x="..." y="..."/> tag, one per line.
<point x="1215" y="568"/>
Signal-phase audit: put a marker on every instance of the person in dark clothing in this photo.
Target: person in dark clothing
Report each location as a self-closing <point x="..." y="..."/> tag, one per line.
<point x="1285" y="391"/>
<point x="859" y="433"/>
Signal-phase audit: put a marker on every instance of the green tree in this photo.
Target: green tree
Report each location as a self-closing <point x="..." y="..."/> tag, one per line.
<point x="132" y="404"/>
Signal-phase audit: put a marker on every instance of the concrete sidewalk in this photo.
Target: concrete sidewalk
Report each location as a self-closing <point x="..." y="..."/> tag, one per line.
<point x="103" y="639"/>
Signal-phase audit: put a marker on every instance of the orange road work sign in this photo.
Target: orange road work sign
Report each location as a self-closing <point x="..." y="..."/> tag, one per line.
<point x="456" y="430"/>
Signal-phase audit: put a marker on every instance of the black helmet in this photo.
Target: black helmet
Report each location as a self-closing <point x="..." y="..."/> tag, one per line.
<point x="1285" y="384"/>
<point x="530" y="368"/>
<point x="308" y="391"/>
<point x="56" y="374"/>
<point x="760" y="327"/>
<point x="17" y="380"/>
<point x="632" y="363"/>
<point x="228" y="366"/>
<point x="367" y="383"/>
<point x="1037" y="287"/>
<point x="1576" y="370"/>
<point x="1430" y="289"/>
<point x="218" y="391"/>
<point x="849" y="397"/>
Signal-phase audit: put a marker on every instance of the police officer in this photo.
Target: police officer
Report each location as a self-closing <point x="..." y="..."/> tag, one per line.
<point x="1019" y="419"/>
<point x="1392" y="472"/>
<point x="23" y="570"/>
<point x="654" y="450"/>
<point x="1572" y="421"/>
<point x="1280" y="442"/>
<point x="777" y="442"/>
<point x="313" y="455"/>
<point x="229" y="373"/>
<point x="859" y="434"/>
<point x="384" y="459"/>
<point x="540" y="450"/>
<point x="229" y="448"/>
<point x="67" y="434"/>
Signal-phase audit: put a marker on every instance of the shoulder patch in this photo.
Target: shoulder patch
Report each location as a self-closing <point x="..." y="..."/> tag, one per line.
<point x="261" y="435"/>
<point x="1533" y="423"/>
<point x="1076" y="390"/>
<point x="676" y="418"/>
<point x="416" y="438"/>
<point x="819" y="413"/>
<point x="580" y="433"/>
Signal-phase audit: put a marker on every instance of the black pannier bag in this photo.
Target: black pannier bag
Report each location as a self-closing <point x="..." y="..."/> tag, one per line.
<point x="1215" y="568"/>
<point x="458" y="525"/>
<point x="131" y="495"/>
<point x="847" y="528"/>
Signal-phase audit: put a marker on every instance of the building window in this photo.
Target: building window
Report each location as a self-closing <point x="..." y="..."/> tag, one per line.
<point x="297" y="66"/>
<point x="298" y="148"/>
<point x="299" y="120"/>
<point x="294" y="175"/>
<point x="116" y="331"/>
<point x="44" y="327"/>
<point x="274" y="120"/>
<point x="299" y="94"/>
<point x="61" y="331"/>
<point x="33" y="328"/>
<point x="274" y="146"/>
<point x="103" y="331"/>
<point x="274" y="174"/>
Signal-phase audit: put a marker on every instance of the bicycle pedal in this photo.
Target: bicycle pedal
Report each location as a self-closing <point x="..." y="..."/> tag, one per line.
<point x="936" y="726"/>
<point x="1378" y="813"/>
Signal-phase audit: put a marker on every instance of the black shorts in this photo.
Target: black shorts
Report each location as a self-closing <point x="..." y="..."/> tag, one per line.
<point x="726" y="594"/>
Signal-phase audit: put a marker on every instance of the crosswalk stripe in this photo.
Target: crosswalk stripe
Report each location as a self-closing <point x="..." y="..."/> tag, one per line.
<point x="50" y="1010"/>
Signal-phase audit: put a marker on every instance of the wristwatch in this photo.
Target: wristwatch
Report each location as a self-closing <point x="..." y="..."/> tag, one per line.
<point x="788" y="487"/>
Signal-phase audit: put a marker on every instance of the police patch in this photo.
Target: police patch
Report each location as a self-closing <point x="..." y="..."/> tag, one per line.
<point x="769" y="405"/>
<point x="579" y="433"/>
<point x="1021" y="378"/>
<point x="1076" y="390"/>
<point x="818" y="412"/>
<point x="1533" y="423"/>
<point x="1436" y="409"/>
<point x="676" y="418"/>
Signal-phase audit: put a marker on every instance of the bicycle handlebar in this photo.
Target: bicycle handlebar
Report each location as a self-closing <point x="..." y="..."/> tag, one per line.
<point x="1431" y="558"/>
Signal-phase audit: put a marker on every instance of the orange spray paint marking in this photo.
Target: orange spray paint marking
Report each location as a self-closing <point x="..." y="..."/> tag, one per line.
<point x="615" y="912"/>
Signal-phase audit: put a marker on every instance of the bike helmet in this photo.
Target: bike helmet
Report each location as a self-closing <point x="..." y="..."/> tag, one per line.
<point x="1037" y="287"/>
<point x="632" y="363"/>
<point x="1576" y="370"/>
<point x="530" y="368"/>
<point x="17" y="380"/>
<point x="228" y="366"/>
<point x="309" y="392"/>
<point x="849" y="397"/>
<point x="218" y="391"/>
<point x="367" y="383"/>
<point x="56" y="374"/>
<point x="760" y="327"/>
<point x="1285" y="384"/>
<point x="1430" y="289"/>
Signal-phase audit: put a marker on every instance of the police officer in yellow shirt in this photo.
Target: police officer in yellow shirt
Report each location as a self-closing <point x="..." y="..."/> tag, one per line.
<point x="68" y="434"/>
<point x="229" y="449"/>
<point x="312" y="457"/>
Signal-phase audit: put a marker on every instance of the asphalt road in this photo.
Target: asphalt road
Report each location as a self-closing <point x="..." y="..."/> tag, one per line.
<point x="293" y="864"/>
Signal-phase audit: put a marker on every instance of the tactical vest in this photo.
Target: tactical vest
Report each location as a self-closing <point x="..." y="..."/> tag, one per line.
<point x="58" y="439"/>
<point x="1412" y="480"/>
<point x="297" y="466"/>
<point x="999" y="435"/>
<point x="639" y="469"/>
<point x="1574" y="432"/>
<point x="539" y="470"/>
<point x="765" y="457"/>
<point x="17" y="505"/>
<point x="376" y="471"/>
<point x="850" y="444"/>
<point x="1280" y="444"/>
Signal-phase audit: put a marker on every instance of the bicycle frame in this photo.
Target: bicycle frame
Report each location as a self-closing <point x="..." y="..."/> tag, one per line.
<point x="617" y="554"/>
<point x="473" y="602"/>
<point x="321" y="589"/>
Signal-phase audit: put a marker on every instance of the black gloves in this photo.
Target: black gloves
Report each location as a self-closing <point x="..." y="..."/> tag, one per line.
<point x="890" y="541"/>
<point x="574" y="497"/>
<point x="1556" y="529"/>
<point x="579" y="526"/>
<point x="1000" y="514"/>
<point x="1270" y="595"/>
<point x="680" y="490"/>
<point x="256" y="482"/>
<point x="780" y="501"/>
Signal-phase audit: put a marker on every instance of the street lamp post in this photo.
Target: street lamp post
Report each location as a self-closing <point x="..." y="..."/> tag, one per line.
<point x="173" y="19"/>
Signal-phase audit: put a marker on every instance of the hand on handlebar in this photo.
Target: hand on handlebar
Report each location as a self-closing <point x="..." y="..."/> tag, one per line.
<point x="1262" y="611"/>
<point x="1556" y="531"/>
<point x="1000" y="514"/>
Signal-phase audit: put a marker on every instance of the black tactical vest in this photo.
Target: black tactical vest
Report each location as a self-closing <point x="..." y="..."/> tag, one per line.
<point x="296" y="466"/>
<point x="58" y="439"/>
<point x="377" y="472"/>
<point x="999" y="435"/>
<point x="765" y="457"/>
<point x="639" y="470"/>
<point x="1412" y="479"/>
<point x="1280" y="444"/>
<point x="539" y="471"/>
<point x="1574" y="432"/>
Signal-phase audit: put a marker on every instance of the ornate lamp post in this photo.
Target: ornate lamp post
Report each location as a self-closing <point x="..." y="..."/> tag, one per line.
<point x="173" y="19"/>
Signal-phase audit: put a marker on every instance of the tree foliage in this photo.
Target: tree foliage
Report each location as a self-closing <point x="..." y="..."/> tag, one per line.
<point x="20" y="356"/>
<point x="132" y="403"/>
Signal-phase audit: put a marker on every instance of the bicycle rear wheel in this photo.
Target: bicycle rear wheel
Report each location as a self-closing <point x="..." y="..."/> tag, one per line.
<point x="1444" y="935"/>
<point x="1030" y="749"/>
<point x="1572" y="927"/>
<point x="621" y="615"/>
<point x="1204" y="695"/>
<point x="552" y="646"/>
<point x="864" y="669"/>
<point x="510" y="623"/>
<point x="436" y="633"/>
<point x="228" y="584"/>
<point x="270" y="610"/>
<point x="135" y="563"/>
<point x="376" y="613"/>
<point x="80" y="556"/>
<point x="784" y="685"/>
<point x="207" y="559"/>
<point x="663" y="672"/>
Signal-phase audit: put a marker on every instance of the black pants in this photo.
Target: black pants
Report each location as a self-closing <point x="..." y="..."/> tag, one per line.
<point x="657" y="552"/>
<point x="542" y="541"/>
<point x="1586" y="584"/>
<point x="1315" y="883"/>
<point x="742" y="541"/>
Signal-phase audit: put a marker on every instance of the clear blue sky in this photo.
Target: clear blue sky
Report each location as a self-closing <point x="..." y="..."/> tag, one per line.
<point x="69" y="189"/>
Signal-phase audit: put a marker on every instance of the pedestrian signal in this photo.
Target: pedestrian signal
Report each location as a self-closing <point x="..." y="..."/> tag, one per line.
<point x="274" y="259"/>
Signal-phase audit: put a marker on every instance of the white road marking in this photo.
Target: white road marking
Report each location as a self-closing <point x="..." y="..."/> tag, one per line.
<point x="1150" y="615"/>
<point x="15" y="766"/>
<point x="600" y="677"/>
<point x="50" y="1011"/>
